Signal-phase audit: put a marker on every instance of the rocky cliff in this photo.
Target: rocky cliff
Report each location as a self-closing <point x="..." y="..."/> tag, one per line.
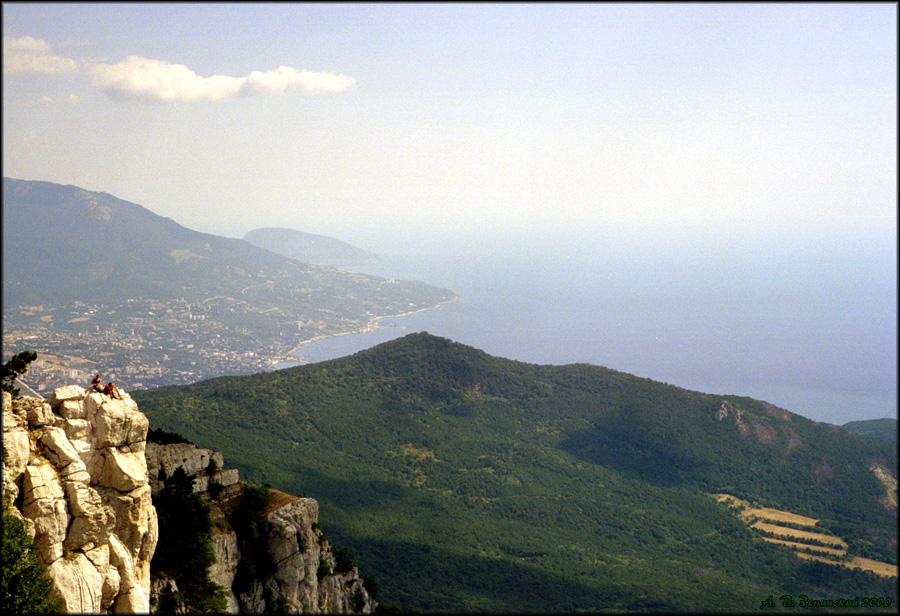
<point x="300" y="573"/>
<point x="78" y="469"/>
<point x="74" y="469"/>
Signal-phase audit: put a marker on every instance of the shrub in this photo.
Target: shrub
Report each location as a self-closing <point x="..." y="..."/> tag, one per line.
<point x="215" y="489"/>
<point x="343" y="560"/>
<point x="164" y="437"/>
<point x="324" y="570"/>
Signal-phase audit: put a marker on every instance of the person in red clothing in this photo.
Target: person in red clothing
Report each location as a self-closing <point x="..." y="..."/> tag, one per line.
<point x="108" y="390"/>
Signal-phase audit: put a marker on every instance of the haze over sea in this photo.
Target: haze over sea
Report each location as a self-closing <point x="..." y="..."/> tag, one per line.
<point x="806" y="324"/>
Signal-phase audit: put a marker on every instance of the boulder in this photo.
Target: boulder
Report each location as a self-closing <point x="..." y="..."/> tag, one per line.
<point x="59" y="451"/>
<point x="92" y="403"/>
<point x="79" y="584"/>
<point x="116" y="424"/>
<point x="71" y="409"/>
<point x="78" y="431"/>
<point x="69" y="393"/>
<point x="37" y="412"/>
<point x="110" y="588"/>
<point x="123" y="471"/>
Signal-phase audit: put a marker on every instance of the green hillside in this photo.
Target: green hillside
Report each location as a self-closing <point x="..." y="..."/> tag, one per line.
<point x="465" y="482"/>
<point x="885" y="429"/>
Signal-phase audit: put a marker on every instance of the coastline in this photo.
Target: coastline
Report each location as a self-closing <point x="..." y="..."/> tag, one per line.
<point x="294" y="354"/>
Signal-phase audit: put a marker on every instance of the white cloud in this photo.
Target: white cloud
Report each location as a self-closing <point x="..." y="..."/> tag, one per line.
<point x="147" y="79"/>
<point x="27" y="54"/>
<point x="71" y="99"/>
<point x="286" y="79"/>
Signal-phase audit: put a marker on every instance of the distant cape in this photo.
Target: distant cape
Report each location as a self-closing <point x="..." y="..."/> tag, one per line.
<point x="308" y="248"/>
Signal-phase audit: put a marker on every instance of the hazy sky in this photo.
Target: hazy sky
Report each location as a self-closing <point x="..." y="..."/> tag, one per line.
<point x="352" y="118"/>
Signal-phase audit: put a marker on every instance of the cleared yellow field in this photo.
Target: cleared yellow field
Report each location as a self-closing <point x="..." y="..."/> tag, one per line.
<point x="775" y="515"/>
<point x="783" y="531"/>
<point x="802" y="546"/>
<point x="876" y="567"/>
<point x="754" y="516"/>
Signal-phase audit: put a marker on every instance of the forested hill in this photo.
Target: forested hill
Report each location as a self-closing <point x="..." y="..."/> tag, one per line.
<point x="467" y="482"/>
<point x="885" y="429"/>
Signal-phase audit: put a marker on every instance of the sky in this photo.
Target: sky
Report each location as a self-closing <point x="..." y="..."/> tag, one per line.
<point x="380" y="121"/>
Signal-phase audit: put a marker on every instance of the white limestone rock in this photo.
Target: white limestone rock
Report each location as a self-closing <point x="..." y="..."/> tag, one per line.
<point x="92" y="520"/>
<point x="37" y="412"/>
<point x="79" y="584"/>
<point x="123" y="471"/>
<point x="116" y="424"/>
<point x="194" y="460"/>
<point x="69" y="393"/>
<point x="86" y="502"/>
<point x="45" y="504"/>
<point x="71" y="409"/>
<point x="57" y="448"/>
<point x="222" y="572"/>
<point x="16" y="449"/>
<point x="78" y="431"/>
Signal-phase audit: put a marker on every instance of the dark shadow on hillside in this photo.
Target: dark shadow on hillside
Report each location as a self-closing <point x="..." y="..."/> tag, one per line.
<point x="349" y="495"/>
<point x="624" y="442"/>
<point x="426" y="579"/>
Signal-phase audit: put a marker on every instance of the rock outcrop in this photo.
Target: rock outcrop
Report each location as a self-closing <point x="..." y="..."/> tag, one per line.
<point x="74" y="470"/>
<point x="302" y="572"/>
<point x="77" y="468"/>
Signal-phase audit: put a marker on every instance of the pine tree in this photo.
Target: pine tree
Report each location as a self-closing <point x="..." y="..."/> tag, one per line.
<point x="25" y="585"/>
<point x="13" y="368"/>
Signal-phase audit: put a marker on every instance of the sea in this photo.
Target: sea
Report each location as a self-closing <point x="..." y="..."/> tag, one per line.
<point x="805" y="321"/>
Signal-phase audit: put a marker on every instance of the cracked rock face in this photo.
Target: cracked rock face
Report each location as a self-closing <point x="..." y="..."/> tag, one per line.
<point x="74" y="469"/>
<point x="288" y="532"/>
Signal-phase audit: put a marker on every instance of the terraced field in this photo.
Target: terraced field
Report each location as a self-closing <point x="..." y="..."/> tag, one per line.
<point x="772" y="525"/>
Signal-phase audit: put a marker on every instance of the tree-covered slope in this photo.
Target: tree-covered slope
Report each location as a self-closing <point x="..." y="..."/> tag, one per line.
<point x="466" y="482"/>
<point x="885" y="429"/>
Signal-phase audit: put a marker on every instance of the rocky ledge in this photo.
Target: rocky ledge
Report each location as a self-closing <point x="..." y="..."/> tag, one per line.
<point x="78" y="470"/>
<point x="305" y="574"/>
<point x="74" y="470"/>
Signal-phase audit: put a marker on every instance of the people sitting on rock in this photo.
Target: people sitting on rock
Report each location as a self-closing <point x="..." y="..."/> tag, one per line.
<point x="108" y="390"/>
<point x="97" y="384"/>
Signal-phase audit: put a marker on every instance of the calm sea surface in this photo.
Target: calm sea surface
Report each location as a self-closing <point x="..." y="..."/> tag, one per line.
<point x="808" y="326"/>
